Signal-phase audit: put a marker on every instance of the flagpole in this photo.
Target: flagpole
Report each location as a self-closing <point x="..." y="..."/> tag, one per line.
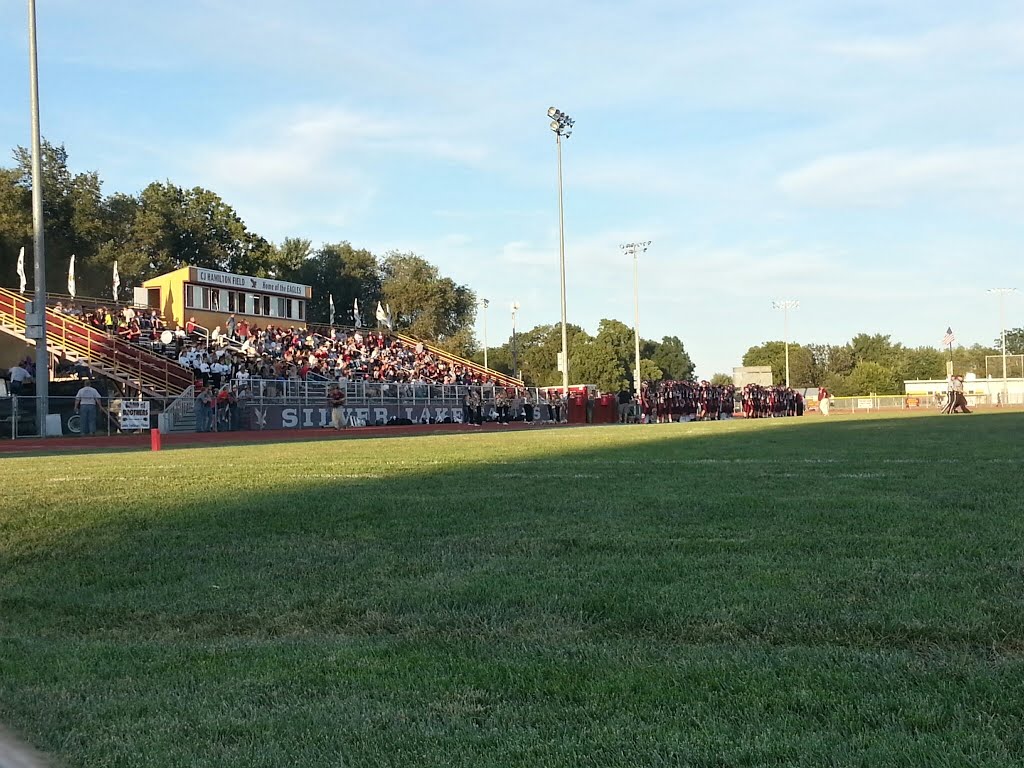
<point x="37" y="324"/>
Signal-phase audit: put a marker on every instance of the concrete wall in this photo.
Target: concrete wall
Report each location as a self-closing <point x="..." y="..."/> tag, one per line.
<point x="12" y="350"/>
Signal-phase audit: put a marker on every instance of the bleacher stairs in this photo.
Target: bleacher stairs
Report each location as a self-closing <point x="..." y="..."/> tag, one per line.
<point x="134" y="367"/>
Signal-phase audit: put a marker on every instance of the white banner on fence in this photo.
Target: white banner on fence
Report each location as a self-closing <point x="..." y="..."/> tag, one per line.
<point x="134" y="414"/>
<point x="865" y="403"/>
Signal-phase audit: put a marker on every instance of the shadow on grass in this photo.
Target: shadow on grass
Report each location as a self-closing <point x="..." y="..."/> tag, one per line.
<point x="797" y="592"/>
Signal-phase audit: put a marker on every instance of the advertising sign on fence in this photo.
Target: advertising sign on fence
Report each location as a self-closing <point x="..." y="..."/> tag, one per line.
<point x="134" y="415"/>
<point x="865" y="403"/>
<point x="318" y="417"/>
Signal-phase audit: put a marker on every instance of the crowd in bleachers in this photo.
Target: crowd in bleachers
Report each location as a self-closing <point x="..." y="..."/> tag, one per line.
<point x="276" y="353"/>
<point x="128" y="323"/>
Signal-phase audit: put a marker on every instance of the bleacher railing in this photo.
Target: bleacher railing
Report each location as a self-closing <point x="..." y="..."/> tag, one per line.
<point x="150" y="373"/>
<point x="299" y="392"/>
<point x="436" y="352"/>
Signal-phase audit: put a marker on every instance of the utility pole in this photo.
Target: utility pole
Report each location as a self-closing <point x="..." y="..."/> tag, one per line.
<point x="35" y="326"/>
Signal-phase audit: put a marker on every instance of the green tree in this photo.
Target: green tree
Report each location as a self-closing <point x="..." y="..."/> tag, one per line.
<point x="538" y="352"/>
<point x="424" y="303"/>
<point x="649" y="371"/>
<point x="347" y="274"/>
<point x="869" y="378"/>
<point x="921" y="363"/>
<point x="288" y="259"/>
<point x="721" y="380"/>
<point x="594" y="362"/>
<point x="773" y="353"/>
<point x="74" y="216"/>
<point x="671" y="357"/>
<point x="972" y="359"/>
<point x="877" y="348"/>
<point x="175" y="227"/>
<point x="1014" y="341"/>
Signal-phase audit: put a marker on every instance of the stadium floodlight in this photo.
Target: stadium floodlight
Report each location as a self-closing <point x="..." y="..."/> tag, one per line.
<point x="785" y="305"/>
<point x="1002" y="293"/>
<point x="561" y="125"/>
<point x="634" y="250"/>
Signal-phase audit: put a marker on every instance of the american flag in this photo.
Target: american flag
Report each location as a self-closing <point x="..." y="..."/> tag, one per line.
<point x="949" y="339"/>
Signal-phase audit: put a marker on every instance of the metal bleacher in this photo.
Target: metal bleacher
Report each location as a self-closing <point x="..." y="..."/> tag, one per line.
<point x="436" y="352"/>
<point x="133" y="366"/>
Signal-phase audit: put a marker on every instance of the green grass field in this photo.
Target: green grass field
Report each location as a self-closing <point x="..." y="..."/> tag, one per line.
<point x="791" y="592"/>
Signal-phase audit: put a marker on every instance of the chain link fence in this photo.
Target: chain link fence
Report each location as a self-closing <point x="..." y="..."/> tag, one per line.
<point x="18" y="417"/>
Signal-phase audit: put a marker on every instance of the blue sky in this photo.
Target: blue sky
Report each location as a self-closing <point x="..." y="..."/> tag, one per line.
<point x="866" y="158"/>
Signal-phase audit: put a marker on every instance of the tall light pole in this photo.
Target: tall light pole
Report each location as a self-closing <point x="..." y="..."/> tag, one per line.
<point x="562" y="125"/>
<point x="485" y="304"/>
<point x="1002" y="293"/>
<point x="634" y="250"/>
<point x="785" y="305"/>
<point x="35" y="326"/>
<point x="515" y="348"/>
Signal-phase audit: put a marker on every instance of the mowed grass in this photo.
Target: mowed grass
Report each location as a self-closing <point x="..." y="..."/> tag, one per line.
<point x="789" y="592"/>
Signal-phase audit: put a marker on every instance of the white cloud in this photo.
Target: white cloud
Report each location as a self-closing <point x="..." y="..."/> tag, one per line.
<point x="894" y="177"/>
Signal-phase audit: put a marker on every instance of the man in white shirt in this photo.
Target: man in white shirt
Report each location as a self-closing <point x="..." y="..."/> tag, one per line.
<point x="18" y="376"/>
<point x="86" y="402"/>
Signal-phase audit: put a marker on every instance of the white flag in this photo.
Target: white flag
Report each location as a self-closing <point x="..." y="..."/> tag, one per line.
<point x="330" y="298"/>
<point x="71" y="276"/>
<point x="117" y="281"/>
<point x="356" y="320"/>
<point x="21" y="269"/>
<point x="389" y="322"/>
<point x="381" y="316"/>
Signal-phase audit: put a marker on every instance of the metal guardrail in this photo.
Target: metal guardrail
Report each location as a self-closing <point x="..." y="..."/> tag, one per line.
<point x="182" y="407"/>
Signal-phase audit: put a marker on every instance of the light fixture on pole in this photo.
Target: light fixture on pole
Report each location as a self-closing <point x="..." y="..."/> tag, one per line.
<point x="35" y="326"/>
<point x="562" y="125"/>
<point x="785" y="305"/>
<point x="485" y="304"/>
<point x="1002" y="293"/>
<point x="634" y="250"/>
<point x="515" y="348"/>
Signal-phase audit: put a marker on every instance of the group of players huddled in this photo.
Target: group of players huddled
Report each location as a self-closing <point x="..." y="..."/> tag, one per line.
<point x="686" y="400"/>
<point x="667" y="401"/>
<point x="762" y="402"/>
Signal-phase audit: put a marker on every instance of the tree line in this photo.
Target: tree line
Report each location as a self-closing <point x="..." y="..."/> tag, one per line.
<point x="606" y="359"/>
<point x="166" y="226"/>
<point x="874" y="363"/>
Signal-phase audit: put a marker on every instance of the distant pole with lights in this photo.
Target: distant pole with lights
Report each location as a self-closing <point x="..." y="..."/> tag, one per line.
<point x="634" y="250"/>
<point x="562" y="125"/>
<point x="515" y="348"/>
<point x="485" y="304"/>
<point x="785" y="305"/>
<point x="1002" y="293"/>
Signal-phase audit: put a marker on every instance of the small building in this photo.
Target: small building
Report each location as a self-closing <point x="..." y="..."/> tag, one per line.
<point x="752" y="374"/>
<point x="211" y="297"/>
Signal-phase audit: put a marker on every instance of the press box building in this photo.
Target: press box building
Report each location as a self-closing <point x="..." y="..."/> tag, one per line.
<point x="211" y="297"/>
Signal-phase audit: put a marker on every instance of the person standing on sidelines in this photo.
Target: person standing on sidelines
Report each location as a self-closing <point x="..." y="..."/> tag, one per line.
<point x="824" y="401"/>
<point x="336" y="402"/>
<point x="86" y="402"/>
